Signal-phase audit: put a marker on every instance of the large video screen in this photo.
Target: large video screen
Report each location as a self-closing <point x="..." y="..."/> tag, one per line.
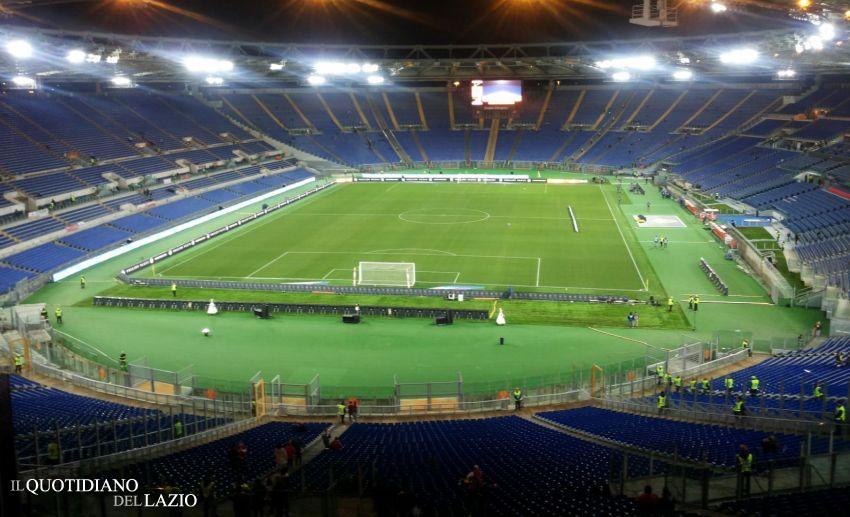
<point x="496" y="93"/>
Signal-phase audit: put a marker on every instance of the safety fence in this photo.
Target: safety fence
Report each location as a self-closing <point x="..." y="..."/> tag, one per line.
<point x="509" y="294"/>
<point x="291" y="308"/>
<point x="763" y="269"/>
<point x="83" y="364"/>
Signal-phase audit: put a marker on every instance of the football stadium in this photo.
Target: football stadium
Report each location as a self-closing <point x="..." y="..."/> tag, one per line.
<point x="386" y="258"/>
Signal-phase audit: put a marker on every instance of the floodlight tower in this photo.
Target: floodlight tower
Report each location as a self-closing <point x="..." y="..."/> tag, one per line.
<point x="655" y="13"/>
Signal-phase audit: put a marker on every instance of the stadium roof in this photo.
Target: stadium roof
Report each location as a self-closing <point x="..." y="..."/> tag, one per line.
<point x="161" y="59"/>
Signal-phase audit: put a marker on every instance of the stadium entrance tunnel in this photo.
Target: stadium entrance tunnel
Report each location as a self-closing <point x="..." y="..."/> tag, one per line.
<point x="440" y="216"/>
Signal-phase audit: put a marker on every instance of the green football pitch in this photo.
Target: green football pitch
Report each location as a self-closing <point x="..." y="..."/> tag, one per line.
<point x="487" y="235"/>
<point x="449" y="228"/>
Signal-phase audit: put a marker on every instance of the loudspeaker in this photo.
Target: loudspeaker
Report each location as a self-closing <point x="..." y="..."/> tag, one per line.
<point x="351" y="318"/>
<point x="261" y="312"/>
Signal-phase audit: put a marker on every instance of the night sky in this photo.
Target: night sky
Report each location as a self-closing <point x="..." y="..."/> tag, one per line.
<point x="384" y="21"/>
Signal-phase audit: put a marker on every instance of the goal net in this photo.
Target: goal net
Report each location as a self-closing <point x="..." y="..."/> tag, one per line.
<point x="394" y="274"/>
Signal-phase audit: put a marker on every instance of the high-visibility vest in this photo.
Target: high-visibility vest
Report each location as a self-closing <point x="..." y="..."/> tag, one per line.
<point x="668" y="378"/>
<point x="19" y="361"/>
<point x="58" y="312"/>
<point x="662" y="401"/>
<point x="841" y="414"/>
<point x="174" y="287"/>
<point x="659" y="370"/>
<point x="818" y="392"/>
<point x="178" y="429"/>
<point x="340" y="409"/>
<point x="754" y="384"/>
<point x="745" y="344"/>
<point x="746" y="464"/>
<point x="669" y="302"/>
<point x="739" y="407"/>
<point x="705" y="384"/>
<point x="517" y="394"/>
<point x="83" y="280"/>
<point x="730" y="383"/>
<point x="53" y="451"/>
<point x="696" y="300"/>
<point x="678" y="381"/>
<point x="693" y="384"/>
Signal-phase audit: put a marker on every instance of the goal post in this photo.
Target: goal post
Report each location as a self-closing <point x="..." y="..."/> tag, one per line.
<point x="386" y="274"/>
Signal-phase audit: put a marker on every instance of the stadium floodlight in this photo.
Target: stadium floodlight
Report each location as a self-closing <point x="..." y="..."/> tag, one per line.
<point x="813" y="43"/>
<point x="717" y="8"/>
<point x="337" y="68"/>
<point x="739" y="56"/>
<point x="804" y="4"/>
<point x="122" y="81"/>
<point x="214" y="81"/>
<point x="787" y="73"/>
<point x="75" y="56"/>
<point x="826" y="31"/>
<point x="369" y="68"/>
<point x="315" y="80"/>
<point x="19" y="49"/>
<point x="683" y="74"/>
<point x="275" y="67"/>
<point x="375" y="79"/>
<point x="621" y="76"/>
<point x="207" y="65"/>
<point x="642" y="62"/>
<point x="113" y="58"/>
<point x="386" y="274"/>
<point x="24" y="82"/>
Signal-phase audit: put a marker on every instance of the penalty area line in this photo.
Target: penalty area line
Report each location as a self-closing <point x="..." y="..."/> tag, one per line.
<point x="626" y="244"/>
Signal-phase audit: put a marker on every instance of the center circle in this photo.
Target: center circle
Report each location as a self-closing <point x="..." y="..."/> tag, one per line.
<point x="444" y="216"/>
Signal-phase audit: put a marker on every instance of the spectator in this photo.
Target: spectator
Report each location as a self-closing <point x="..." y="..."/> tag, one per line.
<point x="290" y="454"/>
<point x="744" y="460"/>
<point x="336" y="445"/>
<point x="326" y="439"/>
<point x="206" y="494"/>
<point x="241" y="499"/>
<point x="296" y="445"/>
<point x="258" y="498"/>
<point x="770" y="445"/>
<point x="279" y="497"/>
<point x="352" y="410"/>
<point x="280" y="457"/>
<point x="647" y="503"/>
<point x="668" y="504"/>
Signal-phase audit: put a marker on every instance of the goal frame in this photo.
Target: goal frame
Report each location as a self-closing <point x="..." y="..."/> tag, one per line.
<point x="408" y="269"/>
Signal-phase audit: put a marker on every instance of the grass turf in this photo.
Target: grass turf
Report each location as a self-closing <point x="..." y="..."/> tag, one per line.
<point x="495" y="236"/>
<point x="361" y="359"/>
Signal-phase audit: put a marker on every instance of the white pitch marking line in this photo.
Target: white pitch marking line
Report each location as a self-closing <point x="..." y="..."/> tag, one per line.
<point x="245" y="230"/>
<point x="682" y="242"/>
<point x="626" y="244"/>
<point x="537" y="282"/>
<point x="269" y="263"/>
<point x="397" y="251"/>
